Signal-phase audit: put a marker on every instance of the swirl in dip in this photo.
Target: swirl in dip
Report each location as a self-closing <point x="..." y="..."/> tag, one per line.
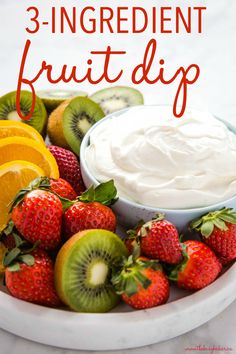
<point x="161" y="161"/>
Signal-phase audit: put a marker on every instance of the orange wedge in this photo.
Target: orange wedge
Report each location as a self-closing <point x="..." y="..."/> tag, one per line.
<point x="18" y="148"/>
<point x="14" y="176"/>
<point x="3" y="250"/>
<point x="12" y="128"/>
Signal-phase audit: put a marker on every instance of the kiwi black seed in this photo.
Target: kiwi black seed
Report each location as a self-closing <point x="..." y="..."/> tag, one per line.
<point x="116" y="98"/>
<point x="52" y="98"/>
<point x="8" y="110"/>
<point x="79" y="115"/>
<point x="83" y="270"/>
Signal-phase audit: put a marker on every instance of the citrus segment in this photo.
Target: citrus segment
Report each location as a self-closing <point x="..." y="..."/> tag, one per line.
<point x="14" y="176"/>
<point x="3" y="250"/>
<point x="10" y="128"/>
<point x="18" y="148"/>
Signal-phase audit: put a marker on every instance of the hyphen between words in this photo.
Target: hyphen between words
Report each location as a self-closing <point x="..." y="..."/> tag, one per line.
<point x="148" y="70"/>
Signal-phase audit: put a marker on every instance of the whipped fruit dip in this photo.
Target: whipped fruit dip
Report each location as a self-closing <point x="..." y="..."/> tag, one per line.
<point x="161" y="161"/>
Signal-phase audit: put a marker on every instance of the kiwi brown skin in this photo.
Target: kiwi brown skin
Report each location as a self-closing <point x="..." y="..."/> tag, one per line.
<point x="39" y="117"/>
<point x="64" y="267"/>
<point x="55" y="130"/>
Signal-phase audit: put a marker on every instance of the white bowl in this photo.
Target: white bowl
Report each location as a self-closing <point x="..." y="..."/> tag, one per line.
<point x="129" y="212"/>
<point x="118" y="329"/>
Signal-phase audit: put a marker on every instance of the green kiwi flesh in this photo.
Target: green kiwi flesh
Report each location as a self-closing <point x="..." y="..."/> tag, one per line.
<point x="52" y="98"/>
<point x="85" y="277"/>
<point x="116" y="98"/>
<point x="78" y="117"/>
<point x="8" y="110"/>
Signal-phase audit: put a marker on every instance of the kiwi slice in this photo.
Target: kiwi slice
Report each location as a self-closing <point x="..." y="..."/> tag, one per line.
<point x="8" y="110"/>
<point x="116" y="98"/>
<point x="79" y="115"/>
<point x="83" y="270"/>
<point x="53" y="98"/>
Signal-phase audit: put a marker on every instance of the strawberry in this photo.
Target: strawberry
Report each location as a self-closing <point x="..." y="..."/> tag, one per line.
<point x="91" y="210"/>
<point x="33" y="281"/>
<point x="132" y="240"/>
<point x="10" y="238"/>
<point x="9" y="241"/>
<point x="13" y="241"/>
<point x="69" y="167"/>
<point x="82" y="216"/>
<point x="129" y="243"/>
<point x="159" y="239"/>
<point x="37" y="215"/>
<point x="218" y="230"/>
<point x="199" y="268"/>
<point x="62" y="188"/>
<point x="141" y="283"/>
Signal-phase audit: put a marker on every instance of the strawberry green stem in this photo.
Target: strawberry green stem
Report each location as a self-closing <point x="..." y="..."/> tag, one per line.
<point x="206" y="223"/>
<point x="38" y="183"/>
<point x="180" y="267"/>
<point x="130" y="277"/>
<point x="105" y="193"/>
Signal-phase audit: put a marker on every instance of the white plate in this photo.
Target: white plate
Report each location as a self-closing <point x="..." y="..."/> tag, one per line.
<point x="122" y="328"/>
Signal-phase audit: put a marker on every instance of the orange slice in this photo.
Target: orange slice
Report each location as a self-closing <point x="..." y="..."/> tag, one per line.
<point x="18" y="148"/>
<point x="11" y="128"/>
<point x="14" y="176"/>
<point x="3" y="250"/>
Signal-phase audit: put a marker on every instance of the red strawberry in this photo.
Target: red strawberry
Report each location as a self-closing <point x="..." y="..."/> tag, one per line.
<point x="91" y="210"/>
<point x="82" y="216"/>
<point x="10" y="238"/>
<point x="142" y="283"/>
<point x="129" y="243"/>
<point x="9" y="241"/>
<point x="133" y="240"/>
<point x="35" y="282"/>
<point x="62" y="188"/>
<point x="218" y="230"/>
<point x="159" y="239"/>
<point x="69" y="167"/>
<point x="199" y="268"/>
<point x="38" y="216"/>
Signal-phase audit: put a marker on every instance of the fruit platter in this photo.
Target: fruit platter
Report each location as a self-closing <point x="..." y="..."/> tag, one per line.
<point x="115" y="219"/>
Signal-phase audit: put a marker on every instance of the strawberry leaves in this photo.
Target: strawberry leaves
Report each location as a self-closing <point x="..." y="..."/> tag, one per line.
<point x="13" y="259"/>
<point x="38" y="183"/>
<point x="146" y="227"/>
<point x="10" y="231"/>
<point x="20" y="253"/>
<point x="11" y="256"/>
<point x="207" y="228"/>
<point x="28" y="259"/>
<point x="130" y="277"/>
<point x="104" y="193"/>
<point x="206" y="223"/>
<point x="181" y="266"/>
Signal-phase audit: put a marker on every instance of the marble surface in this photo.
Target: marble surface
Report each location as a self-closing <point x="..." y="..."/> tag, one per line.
<point x="217" y="332"/>
<point x="214" y="51"/>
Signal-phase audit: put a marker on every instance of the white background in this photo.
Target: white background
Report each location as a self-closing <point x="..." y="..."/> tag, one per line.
<point x="214" y="51"/>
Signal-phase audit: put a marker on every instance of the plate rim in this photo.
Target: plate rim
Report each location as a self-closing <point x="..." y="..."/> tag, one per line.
<point x="223" y="288"/>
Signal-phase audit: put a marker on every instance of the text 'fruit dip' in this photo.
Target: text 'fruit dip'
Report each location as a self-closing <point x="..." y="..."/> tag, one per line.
<point x="158" y="160"/>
